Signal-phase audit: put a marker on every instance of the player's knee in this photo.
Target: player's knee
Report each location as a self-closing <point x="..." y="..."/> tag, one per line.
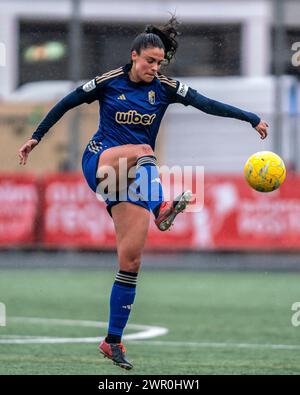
<point x="144" y="150"/>
<point x="131" y="264"/>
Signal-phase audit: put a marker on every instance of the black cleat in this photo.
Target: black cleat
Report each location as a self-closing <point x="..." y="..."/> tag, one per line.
<point x="115" y="352"/>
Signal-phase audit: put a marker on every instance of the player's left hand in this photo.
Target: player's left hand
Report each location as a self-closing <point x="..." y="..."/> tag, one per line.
<point x="262" y="129"/>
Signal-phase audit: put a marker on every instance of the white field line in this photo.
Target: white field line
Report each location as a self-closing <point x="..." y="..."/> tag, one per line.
<point x="144" y="331"/>
<point x="219" y="345"/>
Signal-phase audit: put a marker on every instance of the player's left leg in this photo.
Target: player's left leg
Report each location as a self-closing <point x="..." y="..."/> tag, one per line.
<point x="131" y="224"/>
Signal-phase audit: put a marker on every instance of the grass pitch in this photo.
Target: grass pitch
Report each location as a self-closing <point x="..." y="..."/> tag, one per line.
<point x="218" y="323"/>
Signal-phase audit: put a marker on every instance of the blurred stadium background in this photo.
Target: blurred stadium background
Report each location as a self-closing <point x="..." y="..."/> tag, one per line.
<point x="224" y="279"/>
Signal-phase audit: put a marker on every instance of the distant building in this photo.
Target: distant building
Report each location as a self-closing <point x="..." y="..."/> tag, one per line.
<point x="220" y="37"/>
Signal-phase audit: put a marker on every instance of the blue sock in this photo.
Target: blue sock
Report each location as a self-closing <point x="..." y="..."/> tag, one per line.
<point x="147" y="185"/>
<point x="121" y="301"/>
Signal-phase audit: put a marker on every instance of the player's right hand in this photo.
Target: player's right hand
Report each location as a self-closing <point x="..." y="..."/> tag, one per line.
<point x="25" y="150"/>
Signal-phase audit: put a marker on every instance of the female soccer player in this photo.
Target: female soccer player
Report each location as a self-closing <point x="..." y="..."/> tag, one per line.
<point x="133" y="100"/>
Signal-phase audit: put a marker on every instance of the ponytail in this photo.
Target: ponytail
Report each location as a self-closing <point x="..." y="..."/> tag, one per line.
<point x="159" y="37"/>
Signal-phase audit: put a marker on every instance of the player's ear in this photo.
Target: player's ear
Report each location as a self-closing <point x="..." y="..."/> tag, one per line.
<point x="134" y="55"/>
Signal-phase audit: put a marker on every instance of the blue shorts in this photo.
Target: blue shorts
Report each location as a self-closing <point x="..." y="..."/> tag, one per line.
<point x="90" y="160"/>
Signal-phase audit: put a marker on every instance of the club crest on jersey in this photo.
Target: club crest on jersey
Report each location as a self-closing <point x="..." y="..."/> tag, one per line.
<point x="151" y="97"/>
<point x="133" y="117"/>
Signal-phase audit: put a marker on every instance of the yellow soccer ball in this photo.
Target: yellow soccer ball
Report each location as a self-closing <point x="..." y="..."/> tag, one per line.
<point x="265" y="171"/>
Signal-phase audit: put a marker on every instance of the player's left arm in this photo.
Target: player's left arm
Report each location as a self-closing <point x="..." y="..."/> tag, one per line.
<point x="189" y="96"/>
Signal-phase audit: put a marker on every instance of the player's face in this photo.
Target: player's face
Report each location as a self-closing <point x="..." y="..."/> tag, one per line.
<point x="147" y="63"/>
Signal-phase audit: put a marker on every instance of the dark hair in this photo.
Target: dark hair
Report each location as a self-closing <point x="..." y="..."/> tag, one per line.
<point x="158" y="37"/>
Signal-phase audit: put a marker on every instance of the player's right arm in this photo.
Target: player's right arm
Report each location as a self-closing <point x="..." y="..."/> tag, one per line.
<point x="25" y="150"/>
<point x="86" y="93"/>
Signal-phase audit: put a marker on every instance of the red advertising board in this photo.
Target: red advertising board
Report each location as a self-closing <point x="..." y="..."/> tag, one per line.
<point x="18" y="209"/>
<point x="73" y="217"/>
<point x="237" y="217"/>
<point x="67" y="214"/>
<point x="233" y="217"/>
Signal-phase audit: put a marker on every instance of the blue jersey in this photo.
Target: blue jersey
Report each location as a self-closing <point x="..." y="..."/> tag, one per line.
<point x="131" y="112"/>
